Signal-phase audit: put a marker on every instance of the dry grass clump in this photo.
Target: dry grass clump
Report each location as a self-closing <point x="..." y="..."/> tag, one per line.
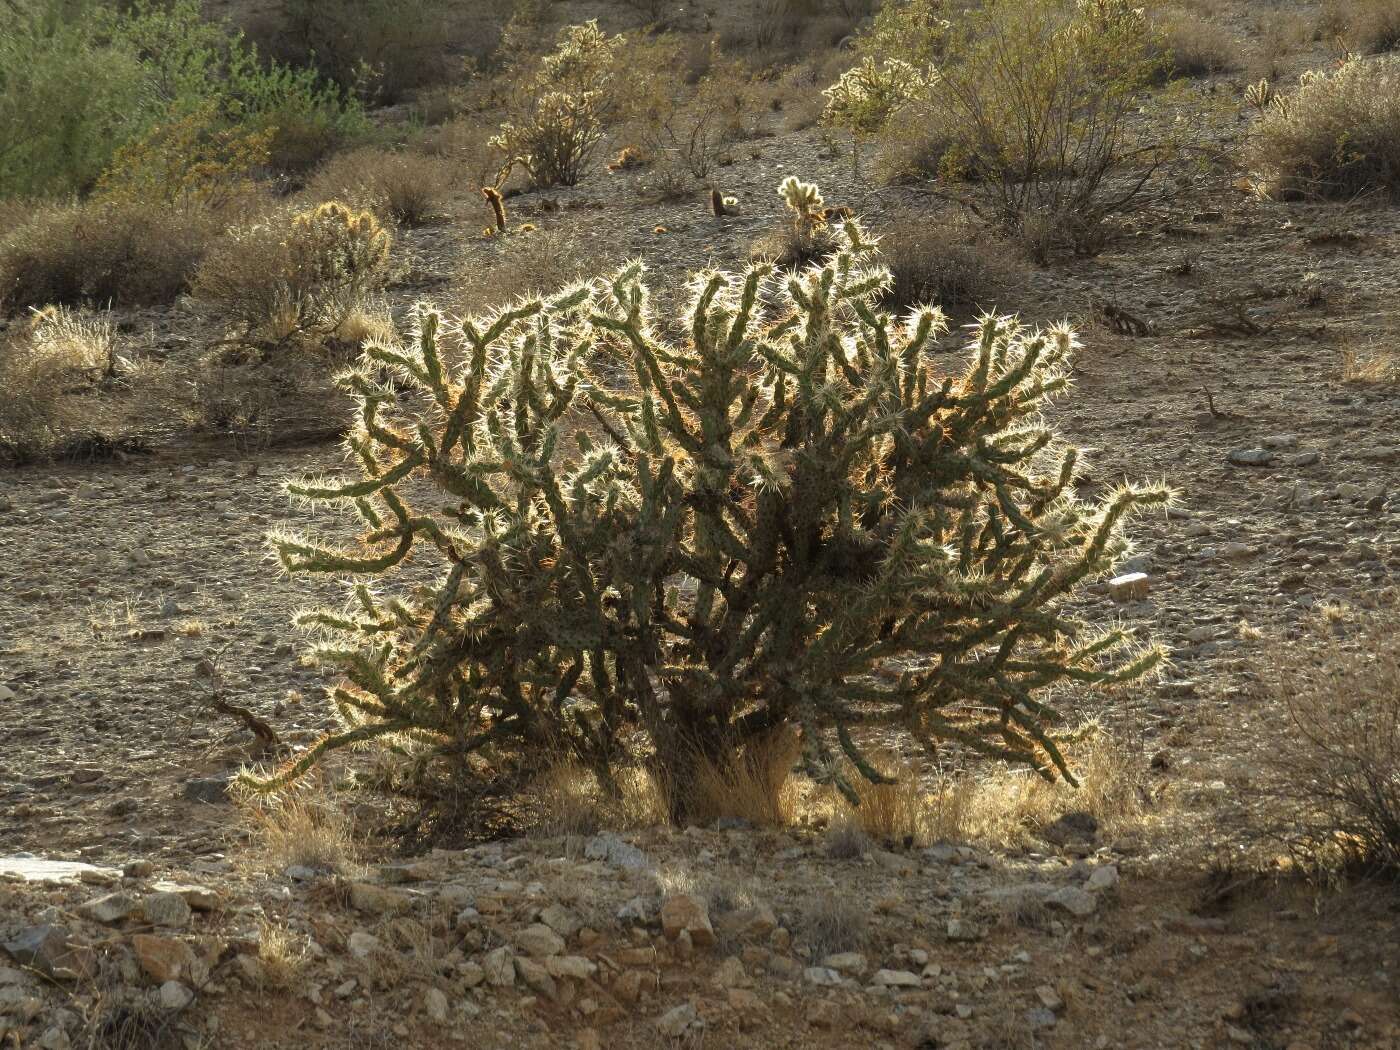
<point x="1011" y="808"/>
<point x="128" y="253"/>
<point x="1337" y="136"/>
<point x="1367" y="26"/>
<point x="830" y="924"/>
<point x="282" y="956"/>
<point x="568" y="801"/>
<point x="50" y="366"/>
<point x="1371" y="366"/>
<point x="945" y="263"/>
<point x="1007" y="809"/>
<point x="305" y="827"/>
<point x="1330" y="790"/>
<point x="525" y="262"/>
<point x="403" y="187"/>
<point x="753" y="784"/>
<point x="1191" y="46"/>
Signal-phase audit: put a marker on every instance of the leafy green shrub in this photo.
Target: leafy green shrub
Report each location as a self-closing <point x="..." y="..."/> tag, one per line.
<point x="295" y="279"/>
<point x="194" y="158"/>
<point x="1338" y="135"/>
<point x="125" y="252"/>
<point x="80" y="79"/>
<point x="405" y="187"/>
<point x="560" y="111"/>
<point x="792" y="518"/>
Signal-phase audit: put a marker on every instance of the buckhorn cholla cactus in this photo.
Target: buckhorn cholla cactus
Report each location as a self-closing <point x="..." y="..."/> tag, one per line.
<point x="791" y="517"/>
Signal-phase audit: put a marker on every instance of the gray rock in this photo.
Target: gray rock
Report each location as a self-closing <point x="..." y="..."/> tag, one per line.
<point x="1251" y="457"/>
<point x="821" y="976"/>
<point x="50" y="950"/>
<point x="175" y="996"/>
<point x="111" y="908"/>
<point x="1039" y="1017"/>
<point x="678" y="1021"/>
<point x="211" y="791"/>
<point x="539" y="941"/>
<point x="895" y="979"/>
<point x="166" y="909"/>
<point x="608" y="847"/>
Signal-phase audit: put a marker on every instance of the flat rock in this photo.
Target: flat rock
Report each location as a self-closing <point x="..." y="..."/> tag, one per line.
<point x="378" y="900"/>
<point x="37" y="869"/>
<point x="166" y="909"/>
<point x="1250" y="457"/>
<point x="175" y="996"/>
<point x="539" y="941"/>
<point x="896" y="979"/>
<point x="608" y="847"/>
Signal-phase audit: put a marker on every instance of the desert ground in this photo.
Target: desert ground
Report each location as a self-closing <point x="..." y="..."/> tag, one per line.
<point x="147" y="653"/>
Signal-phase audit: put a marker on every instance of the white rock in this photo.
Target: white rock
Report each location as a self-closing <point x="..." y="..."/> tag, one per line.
<point x="539" y="941"/>
<point x="362" y="944"/>
<point x="499" y="965"/>
<point x="821" y="976"/>
<point x="1104" y="878"/>
<point x="435" y="1005"/>
<point x="853" y="963"/>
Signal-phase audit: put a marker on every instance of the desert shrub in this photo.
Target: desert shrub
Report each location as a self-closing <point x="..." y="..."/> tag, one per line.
<point x="1337" y="135"/>
<point x="378" y="49"/>
<point x="1331" y="790"/>
<point x="47" y="364"/>
<point x="689" y="130"/>
<point x="744" y="535"/>
<point x="1028" y="111"/>
<point x="830" y="924"/>
<point x="130" y="253"/>
<point x="294" y="278"/>
<point x="1190" y="46"/>
<point x="752" y="782"/>
<point x="194" y="158"/>
<point x="948" y="262"/>
<point x="559" y="112"/>
<point x="403" y="187"/>
<point x="1366" y="26"/>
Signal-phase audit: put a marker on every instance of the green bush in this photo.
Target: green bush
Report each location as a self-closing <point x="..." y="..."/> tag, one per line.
<point x="379" y="49"/>
<point x="794" y="517"/>
<point x="1029" y="110"/>
<point x="79" y="80"/>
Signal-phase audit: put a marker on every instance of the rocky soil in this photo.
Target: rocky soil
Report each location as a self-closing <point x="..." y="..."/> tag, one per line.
<point x="133" y="591"/>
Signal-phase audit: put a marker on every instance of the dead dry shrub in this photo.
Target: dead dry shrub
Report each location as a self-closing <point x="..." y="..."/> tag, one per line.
<point x="127" y="253"/>
<point x="403" y="187"/>
<point x="1365" y="26"/>
<point x="52" y="367"/>
<point x="282" y="956"/>
<point x="1336" y="136"/>
<point x="1192" y="46"/>
<point x="1330" y="790"/>
<point x="1370" y="366"/>
<point x="946" y="262"/>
